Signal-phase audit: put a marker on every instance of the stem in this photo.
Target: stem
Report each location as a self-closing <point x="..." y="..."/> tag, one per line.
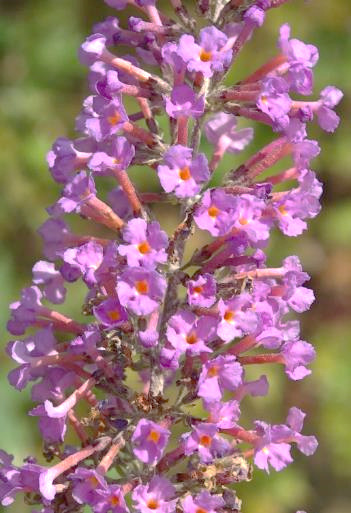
<point x="109" y="457"/>
<point x="46" y="478"/>
<point x="139" y="133"/>
<point x="262" y="358"/>
<point x="101" y="213"/>
<point x="182" y="130"/>
<point x="128" y="189"/>
<point x="60" y="321"/>
<point x="262" y="71"/>
<point x="244" y="345"/>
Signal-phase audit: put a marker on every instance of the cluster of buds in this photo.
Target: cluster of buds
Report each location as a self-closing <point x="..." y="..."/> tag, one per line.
<point x="159" y="368"/>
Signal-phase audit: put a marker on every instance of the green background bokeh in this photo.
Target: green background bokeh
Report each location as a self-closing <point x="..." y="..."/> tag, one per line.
<point x="42" y="86"/>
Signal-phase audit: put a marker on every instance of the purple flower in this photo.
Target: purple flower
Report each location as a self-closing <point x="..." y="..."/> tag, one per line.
<point x="236" y="317"/>
<point x="274" y="100"/>
<point x="140" y="290"/>
<point x="215" y="212"/>
<point x="67" y="156"/>
<point x="223" y="415"/>
<point x="102" y="117"/>
<point x="205" y="440"/>
<point x="207" y="57"/>
<point x="187" y="333"/>
<point x="86" y="484"/>
<point x="184" y="102"/>
<point x="155" y="496"/>
<point x="202" y="291"/>
<point x="181" y="173"/>
<point x="44" y="273"/>
<point x="221" y="131"/>
<point x="203" y="502"/>
<point x="27" y="352"/>
<point x="75" y="194"/>
<point x="221" y="373"/>
<point x="267" y="451"/>
<point x="301" y="58"/>
<point x="118" y="154"/>
<point x="147" y="243"/>
<point x="87" y="258"/>
<point x="149" y="441"/>
<point x="327" y="118"/>
<point x="110" y="313"/>
<point x="92" y="49"/>
<point x="297" y="354"/>
<point x="53" y="429"/>
<point x="109" y="28"/>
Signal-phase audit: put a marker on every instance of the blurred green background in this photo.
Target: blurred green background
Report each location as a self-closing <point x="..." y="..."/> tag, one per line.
<point x="42" y="86"/>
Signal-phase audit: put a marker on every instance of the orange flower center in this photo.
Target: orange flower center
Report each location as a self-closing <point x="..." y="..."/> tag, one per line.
<point x="114" y="500"/>
<point x="205" y="440"/>
<point x="212" y="371"/>
<point x="152" y="504"/>
<point x="229" y="316"/>
<point x="205" y="56"/>
<point x="198" y="289"/>
<point x="154" y="436"/>
<point x="114" y="315"/>
<point x="116" y="118"/>
<point x="184" y="173"/>
<point x="243" y="221"/>
<point x="282" y="210"/>
<point x="142" y="286"/>
<point x="93" y="481"/>
<point x="213" y="211"/>
<point x="191" y="338"/>
<point x="200" y="510"/>
<point x="144" y="247"/>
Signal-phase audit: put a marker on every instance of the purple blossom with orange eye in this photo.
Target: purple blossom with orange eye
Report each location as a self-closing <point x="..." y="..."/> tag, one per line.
<point x="110" y="313"/>
<point x="223" y="415"/>
<point x="103" y="117"/>
<point x="249" y="219"/>
<point x="184" y="102"/>
<point x="209" y="55"/>
<point x="86" y="485"/>
<point x="140" y="291"/>
<point x="158" y="495"/>
<point x="275" y="101"/>
<point x="149" y="441"/>
<point x="236" y="317"/>
<point x="202" y="291"/>
<point x="188" y="334"/>
<point x="147" y="244"/>
<point x="116" y="153"/>
<point x="183" y="173"/>
<point x="204" y="502"/>
<point x="204" y="440"/>
<point x="111" y="499"/>
<point x="219" y="374"/>
<point x="215" y="212"/>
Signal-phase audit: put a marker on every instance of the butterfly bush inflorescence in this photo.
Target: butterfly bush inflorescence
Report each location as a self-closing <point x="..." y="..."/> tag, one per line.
<point x="159" y="368"/>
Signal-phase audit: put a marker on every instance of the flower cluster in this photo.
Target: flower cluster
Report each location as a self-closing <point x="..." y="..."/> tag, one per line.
<point x="159" y="368"/>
